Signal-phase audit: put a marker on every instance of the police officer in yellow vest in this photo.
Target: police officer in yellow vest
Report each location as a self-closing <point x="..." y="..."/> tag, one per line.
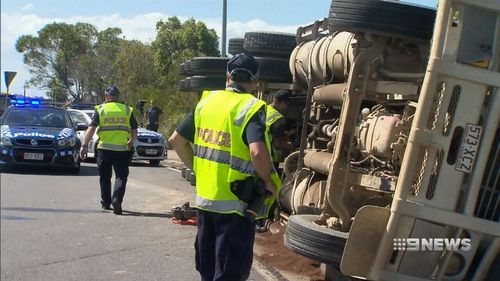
<point x="230" y="145"/>
<point x="117" y="130"/>
<point x="277" y="126"/>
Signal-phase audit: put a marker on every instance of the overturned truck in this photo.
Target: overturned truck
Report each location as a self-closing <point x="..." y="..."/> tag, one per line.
<point x="396" y="172"/>
<point x="396" y="177"/>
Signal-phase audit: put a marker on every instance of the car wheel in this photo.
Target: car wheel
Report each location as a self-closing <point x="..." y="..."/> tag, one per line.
<point x="235" y="46"/>
<point x="382" y="17"/>
<point x="154" y="162"/>
<point x="306" y="238"/>
<point x="75" y="170"/>
<point x="270" y="43"/>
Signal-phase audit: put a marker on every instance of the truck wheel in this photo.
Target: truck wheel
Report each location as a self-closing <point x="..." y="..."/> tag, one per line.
<point x="208" y="65"/>
<point x="270" y="43"/>
<point x="235" y="46"/>
<point x="308" y="239"/>
<point x="273" y="70"/>
<point x="382" y="17"/>
<point x="201" y="83"/>
<point x="183" y="69"/>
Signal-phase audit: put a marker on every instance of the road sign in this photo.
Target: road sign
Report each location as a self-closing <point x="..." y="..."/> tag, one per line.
<point x="9" y="76"/>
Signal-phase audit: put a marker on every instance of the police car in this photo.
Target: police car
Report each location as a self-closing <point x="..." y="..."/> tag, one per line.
<point x="38" y="135"/>
<point x="150" y="146"/>
<point x="82" y="119"/>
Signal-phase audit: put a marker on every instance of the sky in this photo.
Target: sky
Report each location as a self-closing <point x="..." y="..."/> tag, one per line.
<point x="137" y="20"/>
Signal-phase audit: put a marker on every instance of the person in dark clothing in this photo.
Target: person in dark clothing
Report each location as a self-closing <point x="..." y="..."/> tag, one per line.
<point x="117" y="129"/>
<point x="152" y="117"/>
<point x="278" y="127"/>
<point x="228" y="131"/>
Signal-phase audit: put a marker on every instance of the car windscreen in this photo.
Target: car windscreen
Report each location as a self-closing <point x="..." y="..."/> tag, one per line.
<point x="78" y="117"/>
<point x="37" y="117"/>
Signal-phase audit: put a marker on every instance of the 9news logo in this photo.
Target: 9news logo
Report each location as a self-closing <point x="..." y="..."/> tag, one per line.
<point x="431" y="244"/>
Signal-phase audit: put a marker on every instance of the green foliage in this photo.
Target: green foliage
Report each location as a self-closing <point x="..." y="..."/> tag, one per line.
<point x="77" y="62"/>
<point x="134" y="69"/>
<point x="174" y="44"/>
<point x="70" y="58"/>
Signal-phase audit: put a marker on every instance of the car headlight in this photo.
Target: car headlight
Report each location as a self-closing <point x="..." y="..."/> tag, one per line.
<point x="69" y="142"/>
<point x="5" y="141"/>
<point x="162" y="139"/>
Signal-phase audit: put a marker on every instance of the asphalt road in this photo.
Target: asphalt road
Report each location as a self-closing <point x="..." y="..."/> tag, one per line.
<point x="52" y="228"/>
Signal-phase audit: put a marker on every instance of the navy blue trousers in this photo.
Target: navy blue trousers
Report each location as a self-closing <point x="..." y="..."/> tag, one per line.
<point x="107" y="160"/>
<point x="224" y="246"/>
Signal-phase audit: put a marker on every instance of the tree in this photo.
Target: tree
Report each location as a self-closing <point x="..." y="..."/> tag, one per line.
<point x="134" y="69"/>
<point x="174" y="44"/>
<point x="65" y="58"/>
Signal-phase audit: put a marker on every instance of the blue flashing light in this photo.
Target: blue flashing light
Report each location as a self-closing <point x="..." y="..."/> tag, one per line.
<point x="24" y="102"/>
<point x="19" y="101"/>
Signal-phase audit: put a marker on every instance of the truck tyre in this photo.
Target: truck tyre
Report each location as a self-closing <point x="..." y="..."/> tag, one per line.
<point x="270" y="43"/>
<point x="308" y="239"/>
<point x="235" y="46"/>
<point x="183" y="71"/>
<point x="208" y="65"/>
<point x="273" y="70"/>
<point x="382" y="17"/>
<point x="200" y="83"/>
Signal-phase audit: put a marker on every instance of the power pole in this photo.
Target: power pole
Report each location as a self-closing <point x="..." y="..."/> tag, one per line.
<point x="224" y="24"/>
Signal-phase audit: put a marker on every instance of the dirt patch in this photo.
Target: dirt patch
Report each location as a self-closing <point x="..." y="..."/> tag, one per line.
<point x="269" y="249"/>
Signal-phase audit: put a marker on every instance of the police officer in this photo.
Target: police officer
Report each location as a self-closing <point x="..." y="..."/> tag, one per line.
<point x="152" y="117"/>
<point x="117" y="130"/>
<point x="227" y="129"/>
<point x="277" y="126"/>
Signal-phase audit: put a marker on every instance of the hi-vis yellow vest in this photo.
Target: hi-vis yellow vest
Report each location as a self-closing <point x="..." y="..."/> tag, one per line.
<point x="273" y="115"/>
<point x="114" y="126"/>
<point x="221" y="156"/>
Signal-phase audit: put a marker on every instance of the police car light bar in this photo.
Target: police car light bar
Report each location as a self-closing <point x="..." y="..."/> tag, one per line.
<point x="21" y="102"/>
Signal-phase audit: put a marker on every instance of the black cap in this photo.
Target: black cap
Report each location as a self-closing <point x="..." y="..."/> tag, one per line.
<point x="283" y="95"/>
<point x="112" y="91"/>
<point x="242" y="68"/>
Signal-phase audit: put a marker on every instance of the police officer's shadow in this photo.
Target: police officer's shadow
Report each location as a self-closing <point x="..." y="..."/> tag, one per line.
<point x="146" y="214"/>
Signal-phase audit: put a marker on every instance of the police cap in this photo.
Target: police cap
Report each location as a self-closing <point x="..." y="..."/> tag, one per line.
<point x="242" y="68"/>
<point x="283" y="95"/>
<point x="112" y="91"/>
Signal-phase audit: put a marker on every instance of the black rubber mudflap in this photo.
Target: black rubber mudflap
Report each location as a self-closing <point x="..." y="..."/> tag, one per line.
<point x="383" y="17"/>
<point x="306" y="238"/>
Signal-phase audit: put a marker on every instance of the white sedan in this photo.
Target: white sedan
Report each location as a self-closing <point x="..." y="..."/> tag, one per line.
<point x="81" y="117"/>
<point x="149" y="145"/>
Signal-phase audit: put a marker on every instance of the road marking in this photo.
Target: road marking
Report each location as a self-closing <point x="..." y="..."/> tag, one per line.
<point x="175" y="170"/>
